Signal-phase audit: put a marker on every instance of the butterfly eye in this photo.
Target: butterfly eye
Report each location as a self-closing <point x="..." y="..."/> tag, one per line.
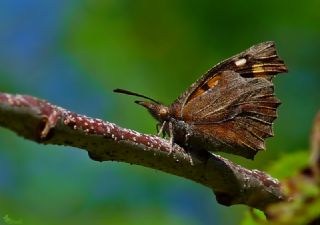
<point x="163" y="111"/>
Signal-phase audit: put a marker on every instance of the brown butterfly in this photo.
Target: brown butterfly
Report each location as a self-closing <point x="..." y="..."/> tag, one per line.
<point x="231" y="108"/>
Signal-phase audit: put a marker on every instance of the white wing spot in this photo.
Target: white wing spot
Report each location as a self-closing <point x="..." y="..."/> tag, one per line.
<point x="240" y="62"/>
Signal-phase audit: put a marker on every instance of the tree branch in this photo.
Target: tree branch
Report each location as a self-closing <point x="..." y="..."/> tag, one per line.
<point x="40" y="121"/>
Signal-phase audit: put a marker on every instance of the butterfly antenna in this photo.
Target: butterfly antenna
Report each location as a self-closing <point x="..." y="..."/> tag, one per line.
<point x="122" y="91"/>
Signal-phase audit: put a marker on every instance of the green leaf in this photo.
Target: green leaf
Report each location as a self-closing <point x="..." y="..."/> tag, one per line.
<point x="289" y="164"/>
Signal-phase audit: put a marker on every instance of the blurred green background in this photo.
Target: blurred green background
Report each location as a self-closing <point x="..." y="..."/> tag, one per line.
<point x="74" y="53"/>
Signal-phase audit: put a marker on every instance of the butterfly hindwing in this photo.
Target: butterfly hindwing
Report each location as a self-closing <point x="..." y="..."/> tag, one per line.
<point x="239" y="115"/>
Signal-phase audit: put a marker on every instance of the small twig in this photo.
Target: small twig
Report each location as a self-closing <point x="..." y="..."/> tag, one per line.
<point x="45" y="123"/>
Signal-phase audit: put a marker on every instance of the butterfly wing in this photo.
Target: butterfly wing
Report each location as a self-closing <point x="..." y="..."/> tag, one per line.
<point x="260" y="60"/>
<point x="233" y="104"/>
<point x="237" y="114"/>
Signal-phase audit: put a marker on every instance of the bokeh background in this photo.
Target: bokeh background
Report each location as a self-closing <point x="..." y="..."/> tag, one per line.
<point x="74" y="53"/>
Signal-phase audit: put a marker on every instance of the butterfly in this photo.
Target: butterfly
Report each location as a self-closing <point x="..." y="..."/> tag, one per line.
<point x="231" y="108"/>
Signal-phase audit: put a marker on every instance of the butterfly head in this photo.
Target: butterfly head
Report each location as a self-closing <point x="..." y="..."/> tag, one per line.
<point x="158" y="111"/>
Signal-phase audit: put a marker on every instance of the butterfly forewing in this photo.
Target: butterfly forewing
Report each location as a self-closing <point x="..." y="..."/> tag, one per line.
<point x="258" y="61"/>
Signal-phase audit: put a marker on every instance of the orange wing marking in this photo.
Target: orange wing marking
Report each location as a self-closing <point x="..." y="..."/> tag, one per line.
<point x="211" y="83"/>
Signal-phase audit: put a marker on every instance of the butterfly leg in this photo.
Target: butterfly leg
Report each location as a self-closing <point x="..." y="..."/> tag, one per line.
<point x="171" y="137"/>
<point x="189" y="154"/>
<point x="161" y="130"/>
<point x="157" y="128"/>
